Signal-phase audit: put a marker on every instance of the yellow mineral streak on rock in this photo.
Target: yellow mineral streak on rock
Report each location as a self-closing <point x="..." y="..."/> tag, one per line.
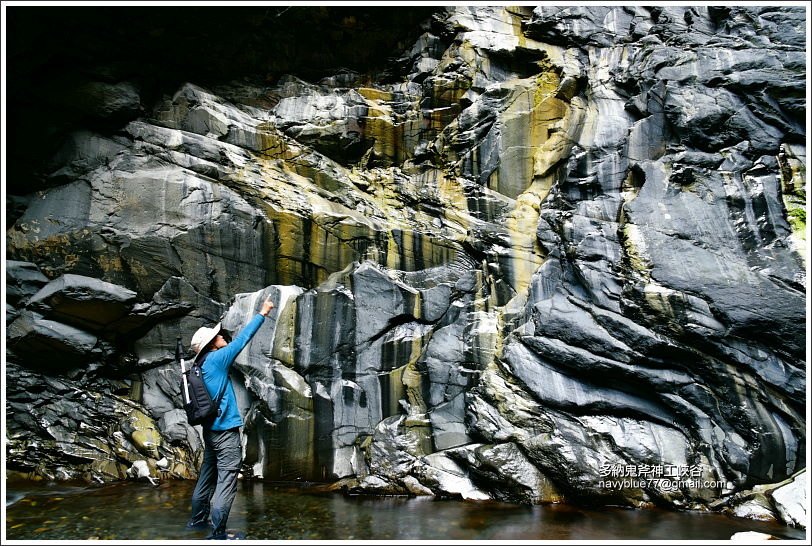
<point x="525" y="254"/>
<point x="108" y="467"/>
<point x="136" y="390"/>
<point x="272" y="144"/>
<point x="52" y="249"/>
<point x="394" y="135"/>
<point x="658" y="299"/>
<point x="404" y="382"/>
<point x="525" y="126"/>
<point x="384" y="192"/>
<point x="392" y="252"/>
<point x="180" y="469"/>
<point x="414" y="393"/>
<point x="451" y="192"/>
<point x="299" y="424"/>
<point x="397" y="391"/>
<point x="113" y="264"/>
<point x="561" y="122"/>
<point x="792" y="160"/>
<point x="379" y="126"/>
<point x="289" y="233"/>
<point x="145" y="436"/>
<point x="532" y="117"/>
<point x="375" y="94"/>
<point x="295" y="190"/>
<point x="408" y="241"/>
<point x="635" y="246"/>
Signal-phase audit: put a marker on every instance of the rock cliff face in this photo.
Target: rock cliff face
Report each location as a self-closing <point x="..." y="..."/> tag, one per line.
<point x="544" y="250"/>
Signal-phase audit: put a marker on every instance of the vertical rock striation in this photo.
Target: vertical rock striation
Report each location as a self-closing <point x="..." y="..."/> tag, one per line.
<point x="551" y="254"/>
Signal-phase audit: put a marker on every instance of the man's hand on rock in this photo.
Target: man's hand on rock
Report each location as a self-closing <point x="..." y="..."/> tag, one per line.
<point x="267" y="306"/>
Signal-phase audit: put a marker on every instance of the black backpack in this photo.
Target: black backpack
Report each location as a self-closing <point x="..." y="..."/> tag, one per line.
<point x="197" y="402"/>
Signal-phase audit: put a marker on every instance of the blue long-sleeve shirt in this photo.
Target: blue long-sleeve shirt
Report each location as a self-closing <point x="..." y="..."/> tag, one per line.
<point x="216" y="366"/>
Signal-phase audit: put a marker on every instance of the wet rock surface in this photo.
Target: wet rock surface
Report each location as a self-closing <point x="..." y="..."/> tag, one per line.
<point x="551" y="254"/>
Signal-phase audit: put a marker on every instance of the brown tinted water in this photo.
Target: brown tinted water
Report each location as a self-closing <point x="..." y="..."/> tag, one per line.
<point x="139" y="511"/>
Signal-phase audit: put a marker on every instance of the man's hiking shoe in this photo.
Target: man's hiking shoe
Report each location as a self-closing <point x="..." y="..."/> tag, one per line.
<point x="228" y="536"/>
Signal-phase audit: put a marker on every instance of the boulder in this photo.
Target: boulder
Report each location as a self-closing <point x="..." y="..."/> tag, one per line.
<point x="140" y="470"/>
<point x="104" y="100"/>
<point x="792" y="501"/>
<point x="83" y="301"/>
<point x="50" y="345"/>
<point x="23" y="279"/>
<point x="506" y="473"/>
<point x="177" y="309"/>
<point x="448" y="478"/>
<point x="750" y="536"/>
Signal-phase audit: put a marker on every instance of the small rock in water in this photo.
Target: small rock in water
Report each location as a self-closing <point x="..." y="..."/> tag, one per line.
<point x="747" y="536"/>
<point x="140" y="469"/>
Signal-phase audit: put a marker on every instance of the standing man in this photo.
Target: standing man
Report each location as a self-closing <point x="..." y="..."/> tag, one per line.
<point x="217" y="483"/>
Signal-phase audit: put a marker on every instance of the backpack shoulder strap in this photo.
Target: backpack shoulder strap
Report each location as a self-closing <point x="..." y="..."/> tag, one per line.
<point x="219" y="397"/>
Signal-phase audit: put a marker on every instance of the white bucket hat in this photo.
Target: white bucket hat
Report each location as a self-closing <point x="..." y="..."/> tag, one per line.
<point x="203" y="337"/>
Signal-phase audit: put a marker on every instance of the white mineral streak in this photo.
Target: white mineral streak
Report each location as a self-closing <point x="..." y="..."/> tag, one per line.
<point x="450" y="478"/>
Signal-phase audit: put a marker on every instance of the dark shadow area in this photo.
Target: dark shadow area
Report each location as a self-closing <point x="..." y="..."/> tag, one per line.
<point x="54" y="51"/>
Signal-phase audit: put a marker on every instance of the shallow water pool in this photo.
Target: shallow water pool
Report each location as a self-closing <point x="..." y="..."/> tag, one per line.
<point x="140" y="511"/>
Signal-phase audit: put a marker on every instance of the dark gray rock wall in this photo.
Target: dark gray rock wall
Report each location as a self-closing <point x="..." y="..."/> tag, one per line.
<point x="546" y="249"/>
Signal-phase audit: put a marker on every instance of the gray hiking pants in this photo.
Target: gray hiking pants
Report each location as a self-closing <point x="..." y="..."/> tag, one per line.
<point x="217" y="484"/>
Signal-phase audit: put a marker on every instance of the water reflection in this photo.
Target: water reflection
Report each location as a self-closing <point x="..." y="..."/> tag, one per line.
<point x="139" y="511"/>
